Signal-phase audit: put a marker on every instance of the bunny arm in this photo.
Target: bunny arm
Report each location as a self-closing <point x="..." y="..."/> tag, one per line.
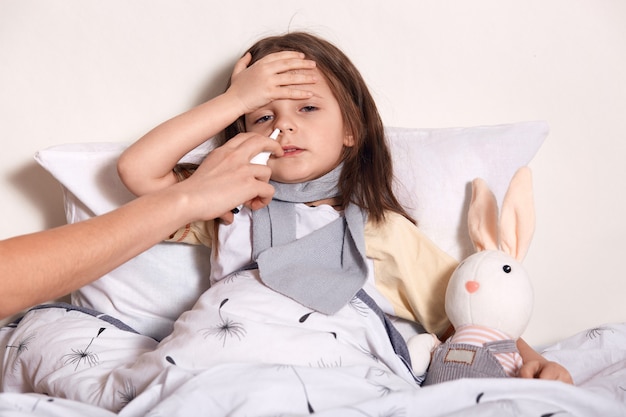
<point x="421" y="347"/>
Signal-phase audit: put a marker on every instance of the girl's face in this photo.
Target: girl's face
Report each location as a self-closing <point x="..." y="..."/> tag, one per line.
<point x="312" y="133"/>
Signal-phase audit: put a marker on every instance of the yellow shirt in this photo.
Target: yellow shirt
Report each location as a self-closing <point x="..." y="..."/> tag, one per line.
<point x="410" y="271"/>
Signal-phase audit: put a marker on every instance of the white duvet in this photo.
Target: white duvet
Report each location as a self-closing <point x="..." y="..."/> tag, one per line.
<point x="244" y="350"/>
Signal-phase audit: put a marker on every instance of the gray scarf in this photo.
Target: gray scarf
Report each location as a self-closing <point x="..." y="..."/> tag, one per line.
<point x="324" y="269"/>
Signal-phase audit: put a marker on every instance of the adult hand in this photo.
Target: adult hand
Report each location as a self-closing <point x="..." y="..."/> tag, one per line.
<point x="227" y="178"/>
<point x="280" y="75"/>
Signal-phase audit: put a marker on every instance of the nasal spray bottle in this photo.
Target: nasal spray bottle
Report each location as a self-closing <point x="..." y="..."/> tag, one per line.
<point x="260" y="159"/>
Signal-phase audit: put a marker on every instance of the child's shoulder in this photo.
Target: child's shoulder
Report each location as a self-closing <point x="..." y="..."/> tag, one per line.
<point x="392" y="224"/>
<point x="399" y="234"/>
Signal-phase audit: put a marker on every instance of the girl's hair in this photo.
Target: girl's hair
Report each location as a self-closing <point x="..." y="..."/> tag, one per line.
<point x="366" y="178"/>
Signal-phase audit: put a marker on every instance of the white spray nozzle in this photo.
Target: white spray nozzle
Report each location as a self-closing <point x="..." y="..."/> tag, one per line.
<point x="261" y="159"/>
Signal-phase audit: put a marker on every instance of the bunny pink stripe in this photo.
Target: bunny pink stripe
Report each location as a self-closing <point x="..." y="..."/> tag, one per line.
<point x="479" y="335"/>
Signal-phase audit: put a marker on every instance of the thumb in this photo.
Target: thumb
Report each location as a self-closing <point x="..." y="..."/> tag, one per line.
<point x="242" y="63"/>
<point x="227" y="218"/>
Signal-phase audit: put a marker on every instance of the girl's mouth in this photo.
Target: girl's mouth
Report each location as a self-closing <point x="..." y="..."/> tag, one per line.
<point x="291" y="151"/>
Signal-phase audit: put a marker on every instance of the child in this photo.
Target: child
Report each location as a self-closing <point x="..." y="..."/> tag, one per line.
<point x="302" y="285"/>
<point x="329" y="124"/>
<point x="310" y="90"/>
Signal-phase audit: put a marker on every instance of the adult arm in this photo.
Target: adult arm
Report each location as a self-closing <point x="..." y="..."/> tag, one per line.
<point x="41" y="266"/>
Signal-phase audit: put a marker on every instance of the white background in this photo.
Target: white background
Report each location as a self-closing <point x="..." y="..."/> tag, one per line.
<point x="87" y="70"/>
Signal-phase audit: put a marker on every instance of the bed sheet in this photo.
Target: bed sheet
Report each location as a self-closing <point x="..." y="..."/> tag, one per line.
<point x="208" y="364"/>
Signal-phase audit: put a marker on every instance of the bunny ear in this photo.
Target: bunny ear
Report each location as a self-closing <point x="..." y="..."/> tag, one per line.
<point x="517" y="221"/>
<point x="482" y="217"/>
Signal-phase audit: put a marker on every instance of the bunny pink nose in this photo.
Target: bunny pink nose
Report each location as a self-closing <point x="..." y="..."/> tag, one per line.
<point x="472" y="286"/>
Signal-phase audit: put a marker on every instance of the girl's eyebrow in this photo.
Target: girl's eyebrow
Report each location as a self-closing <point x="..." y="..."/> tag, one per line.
<point x="256" y="112"/>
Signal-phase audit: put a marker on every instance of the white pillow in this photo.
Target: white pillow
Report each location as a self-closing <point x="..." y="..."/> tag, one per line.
<point x="150" y="291"/>
<point x="433" y="169"/>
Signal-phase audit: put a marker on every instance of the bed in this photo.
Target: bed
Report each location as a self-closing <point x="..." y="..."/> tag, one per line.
<point x="225" y="362"/>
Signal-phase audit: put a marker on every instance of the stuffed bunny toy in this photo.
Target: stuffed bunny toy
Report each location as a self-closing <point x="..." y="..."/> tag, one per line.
<point x="489" y="298"/>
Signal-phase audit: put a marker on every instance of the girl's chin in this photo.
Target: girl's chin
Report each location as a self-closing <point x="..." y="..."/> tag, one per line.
<point x="291" y="175"/>
<point x="296" y="173"/>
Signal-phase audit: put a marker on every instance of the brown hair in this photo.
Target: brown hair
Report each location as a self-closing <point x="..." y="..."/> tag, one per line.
<point x="366" y="178"/>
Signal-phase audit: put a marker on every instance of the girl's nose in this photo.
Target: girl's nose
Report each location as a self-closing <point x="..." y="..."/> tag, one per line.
<point x="285" y="124"/>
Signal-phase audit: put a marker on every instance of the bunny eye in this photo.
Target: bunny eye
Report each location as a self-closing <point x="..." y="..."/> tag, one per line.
<point x="506" y="268"/>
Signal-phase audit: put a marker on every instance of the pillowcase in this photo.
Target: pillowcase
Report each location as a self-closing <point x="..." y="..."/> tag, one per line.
<point x="150" y="291"/>
<point x="433" y="170"/>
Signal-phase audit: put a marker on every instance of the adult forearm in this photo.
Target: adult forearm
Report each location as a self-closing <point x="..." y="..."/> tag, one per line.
<point x="45" y="265"/>
<point x="41" y="266"/>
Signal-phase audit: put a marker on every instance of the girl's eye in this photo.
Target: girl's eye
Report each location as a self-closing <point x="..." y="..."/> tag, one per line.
<point x="307" y="109"/>
<point x="263" y="119"/>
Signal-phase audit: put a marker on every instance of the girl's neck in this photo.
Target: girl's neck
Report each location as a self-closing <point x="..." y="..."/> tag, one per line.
<point x="333" y="202"/>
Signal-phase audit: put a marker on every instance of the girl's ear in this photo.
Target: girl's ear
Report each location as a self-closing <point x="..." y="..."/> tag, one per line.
<point x="348" y="140"/>
<point x="482" y="217"/>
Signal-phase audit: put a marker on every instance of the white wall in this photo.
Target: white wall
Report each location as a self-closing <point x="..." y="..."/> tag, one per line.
<point x="87" y="70"/>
